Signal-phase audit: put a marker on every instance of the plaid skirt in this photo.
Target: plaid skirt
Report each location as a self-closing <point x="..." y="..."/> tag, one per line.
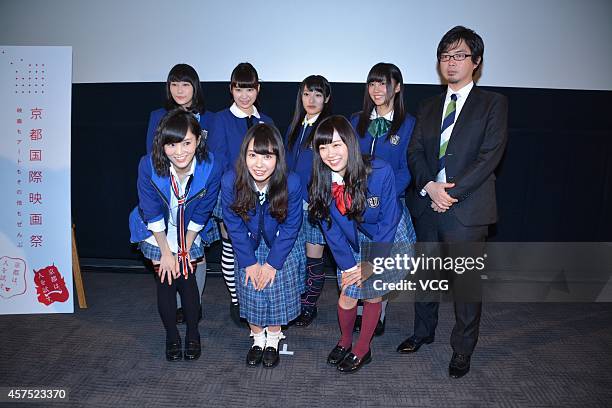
<point x="312" y="232"/>
<point x="153" y="252"/>
<point x="211" y="231"/>
<point x="218" y="211"/>
<point x="405" y="238"/>
<point x="279" y="303"/>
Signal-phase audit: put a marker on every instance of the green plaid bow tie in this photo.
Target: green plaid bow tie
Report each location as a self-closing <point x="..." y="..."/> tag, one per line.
<point x="379" y="127"/>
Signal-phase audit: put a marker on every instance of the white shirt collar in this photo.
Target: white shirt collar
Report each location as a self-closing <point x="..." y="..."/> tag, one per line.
<point x="311" y="120"/>
<point x="189" y="172"/>
<point x="374" y="115"/>
<point x="337" y="178"/>
<point x="264" y="190"/>
<point x="462" y="93"/>
<point x="240" y="114"/>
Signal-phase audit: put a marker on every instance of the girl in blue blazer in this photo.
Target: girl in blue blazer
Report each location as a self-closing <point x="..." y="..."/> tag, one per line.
<point x="178" y="185"/>
<point x="262" y="209"/>
<point x="230" y="126"/>
<point x="313" y="104"/>
<point x="384" y="130"/>
<point x="183" y="90"/>
<point x="354" y="199"/>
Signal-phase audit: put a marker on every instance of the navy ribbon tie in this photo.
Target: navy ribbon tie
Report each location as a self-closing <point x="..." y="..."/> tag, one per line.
<point x="182" y="252"/>
<point x="449" y="119"/>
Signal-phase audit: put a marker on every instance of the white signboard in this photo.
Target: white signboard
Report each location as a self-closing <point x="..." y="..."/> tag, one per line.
<point x="35" y="220"/>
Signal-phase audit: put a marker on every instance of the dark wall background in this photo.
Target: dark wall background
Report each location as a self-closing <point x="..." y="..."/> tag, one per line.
<point x="554" y="184"/>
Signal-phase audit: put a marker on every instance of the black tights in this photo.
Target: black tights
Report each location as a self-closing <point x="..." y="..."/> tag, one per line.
<point x="166" y="304"/>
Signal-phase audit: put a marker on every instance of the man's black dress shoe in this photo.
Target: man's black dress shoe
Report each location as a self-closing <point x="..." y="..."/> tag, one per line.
<point x="180" y="316"/>
<point x="270" y="357"/>
<point x="380" y="327"/>
<point x="459" y="365"/>
<point x="193" y="350"/>
<point x="357" y="326"/>
<point x="412" y="344"/>
<point x="174" y="350"/>
<point x="306" y="317"/>
<point x="352" y="363"/>
<point x="235" y="314"/>
<point x="254" y="356"/>
<point x="337" y="355"/>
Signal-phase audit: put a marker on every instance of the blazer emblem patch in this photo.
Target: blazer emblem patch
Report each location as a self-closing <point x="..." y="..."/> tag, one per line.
<point x="373" y="202"/>
<point x="394" y="139"/>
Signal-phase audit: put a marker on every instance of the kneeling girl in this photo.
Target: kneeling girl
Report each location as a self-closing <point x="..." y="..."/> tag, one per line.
<point x="178" y="185"/>
<point x="354" y="199"/>
<point x="262" y="210"/>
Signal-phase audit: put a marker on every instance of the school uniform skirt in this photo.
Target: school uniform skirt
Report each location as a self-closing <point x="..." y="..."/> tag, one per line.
<point x="312" y="232"/>
<point x="153" y="252"/>
<point x="279" y="303"/>
<point x="405" y="238"/>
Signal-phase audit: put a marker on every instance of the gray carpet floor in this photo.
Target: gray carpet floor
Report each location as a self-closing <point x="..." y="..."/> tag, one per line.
<point x="112" y="355"/>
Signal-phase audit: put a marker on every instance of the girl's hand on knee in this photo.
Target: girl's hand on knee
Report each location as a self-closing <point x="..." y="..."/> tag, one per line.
<point x="188" y="267"/>
<point x="267" y="273"/>
<point x="167" y="268"/>
<point x="351" y="277"/>
<point x="252" y="273"/>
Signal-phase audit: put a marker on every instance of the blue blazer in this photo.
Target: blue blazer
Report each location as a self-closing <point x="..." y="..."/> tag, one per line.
<point x="207" y="122"/>
<point x="381" y="216"/>
<point x="154" y="193"/>
<point x="247" y="235"/>
<point x="230" y="130"/>
<point x="299" y="159"/>
<point x="393" y="151"/>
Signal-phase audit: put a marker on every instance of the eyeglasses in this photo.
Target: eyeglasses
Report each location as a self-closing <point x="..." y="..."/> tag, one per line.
<point x="456" y="57"/>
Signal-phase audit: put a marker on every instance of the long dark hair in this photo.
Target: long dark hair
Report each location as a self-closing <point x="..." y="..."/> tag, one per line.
<point x="185" y="73"/>
<point x="355" y="178"/>
<point x="172" y="129"/>
<point x="313" y="83"/>
<point x="266" y="140"/>
<point x="391" y="75"/>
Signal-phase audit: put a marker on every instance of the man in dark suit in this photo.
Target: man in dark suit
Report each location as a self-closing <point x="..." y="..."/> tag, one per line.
<point x="459" y="140"/>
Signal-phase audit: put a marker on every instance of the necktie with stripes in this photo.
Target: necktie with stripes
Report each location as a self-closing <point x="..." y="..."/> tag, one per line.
<point x="449" y="119"/>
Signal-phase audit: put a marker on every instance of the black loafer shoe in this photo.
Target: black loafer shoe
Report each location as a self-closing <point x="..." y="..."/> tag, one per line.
<point x="412" y="344"/>
<point x="180" y="316"/>
<point x="352" y="363"/>
<point x="459" y="365"/>
<point x="193" y="350"/>
<point x="235" y="314"/>
<point x="174" y="350"/>
<point x="270" y="357"/>
<point x="306" y="317"/>
<point x="357" y="326"/>
<point x="254" y="356"/>
<point x="380" y="327"/>
<point x="337" y="355"/>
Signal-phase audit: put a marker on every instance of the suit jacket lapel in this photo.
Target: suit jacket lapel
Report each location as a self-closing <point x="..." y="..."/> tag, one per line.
<point x="466" y="112"/>
<point x="434" y="126"/>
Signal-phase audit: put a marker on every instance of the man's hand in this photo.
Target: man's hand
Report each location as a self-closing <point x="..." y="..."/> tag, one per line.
<point x="437" y="209"/>
<point x="439" y="196"/>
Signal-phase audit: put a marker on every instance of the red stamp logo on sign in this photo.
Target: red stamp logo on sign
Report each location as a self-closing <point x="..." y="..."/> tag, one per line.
<point x="12" y="277"/>
<point x="50" y="285"/>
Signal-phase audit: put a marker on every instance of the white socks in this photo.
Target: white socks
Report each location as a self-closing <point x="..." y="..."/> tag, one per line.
<point x="259" y="339"/>
<point x="270" y="340"/>
<point x="274" y="338"/>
